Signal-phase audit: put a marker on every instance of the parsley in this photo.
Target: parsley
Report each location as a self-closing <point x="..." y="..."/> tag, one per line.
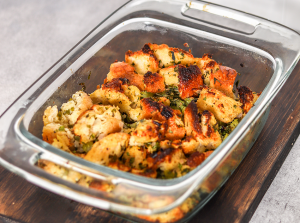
<point x="180" y="166"/>
<point x="204" y="98"/>
<point x="131" y="161"/>
<point x="87" y="146"/>
<point x="61" y="128"/>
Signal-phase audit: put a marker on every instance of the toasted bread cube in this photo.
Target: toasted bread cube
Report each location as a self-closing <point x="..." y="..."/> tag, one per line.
<point x="177" y="158"/>
<point x="207" y="67"/>
<point x="51" y="116"/>
<point x="163" y="54"/>
<point x="183" y="57"/>
<point x="190" y="145"/>
<point x="79" y="103"/>
<point x="147" y="131"/>
<point x="107" y="148"/>
<point x="204" y="132"/>
<point x="224" y="108"/>
<point x="170" y="75"/>
<point x="154" y="82"/>
<point x="98" y="123"/>
<point x="247" y="98"/>
<point x="117" y="93"/>
<point x="108" y="96"/>
<point x="143" y="60"/>
<point x="125" y="70"/>
<point x="223" y="80"/>
<point x="135" y="157"/>
<point x="190" y="80"/>
<point x="59" y="136"/>
<point x="70" y="111"/>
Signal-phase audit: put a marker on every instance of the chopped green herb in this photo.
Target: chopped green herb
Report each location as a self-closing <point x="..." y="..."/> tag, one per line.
<point x="61" y="128"/>
<point x="59" y="115"/>
<point x="87" y="146"/>
<point x="131" y="161"/>
<point x="77" y="138"/>
<point x="179" y="166"/>
<point x="204" y="98"/>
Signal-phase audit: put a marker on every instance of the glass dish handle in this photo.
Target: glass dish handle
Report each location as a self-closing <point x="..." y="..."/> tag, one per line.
<point x="220" y="16"/>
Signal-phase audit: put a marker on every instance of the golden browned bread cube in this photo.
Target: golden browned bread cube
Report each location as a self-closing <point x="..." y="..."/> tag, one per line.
<point x="125" y="70"/>
<point x="205" y="132"/>
<point x="207" y="66"/>
<point x="147" y="131"/>
<point x="223" y="80"/>
<point x="247" y="98"/>
<point x="163" y="54"/>
<point x="143" y="60"/>
<point x="182" y="57"/>
<point x="59" y="136"/>
<point x="107" y="148"/>
<point x="224" y="108"/>
<point x="154" y="82"/>
<point x="190" y="80"/>
<point x="118" y="93"/>
<point x="170" y="75"/>
<point x="98" y="122"/>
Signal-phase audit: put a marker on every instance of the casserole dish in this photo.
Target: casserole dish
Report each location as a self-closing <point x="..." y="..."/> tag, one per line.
<point x="267" y="51"/>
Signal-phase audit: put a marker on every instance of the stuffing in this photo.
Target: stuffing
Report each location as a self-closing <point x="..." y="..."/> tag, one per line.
<point x="109" y="148"/>
<point x="159" y="114"/>
<point x="223" y="80"/>
<point x="154" y="82"/>
<point x="247" y="98"/>
<point x="224" y="108"/>
<point x="98" y="122"/>
<point x="163" y="54"/>
<point x="125" y="70"/>
<point x="143" y="60"/>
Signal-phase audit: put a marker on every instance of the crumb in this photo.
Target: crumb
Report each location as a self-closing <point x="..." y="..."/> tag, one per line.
<point x="186" y="45"/>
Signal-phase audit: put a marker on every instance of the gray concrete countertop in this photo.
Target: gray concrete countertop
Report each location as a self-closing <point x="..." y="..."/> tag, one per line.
<point x="36" y="33"/>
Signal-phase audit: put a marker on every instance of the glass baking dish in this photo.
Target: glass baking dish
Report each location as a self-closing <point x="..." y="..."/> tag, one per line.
<point x="264" y="52"/>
